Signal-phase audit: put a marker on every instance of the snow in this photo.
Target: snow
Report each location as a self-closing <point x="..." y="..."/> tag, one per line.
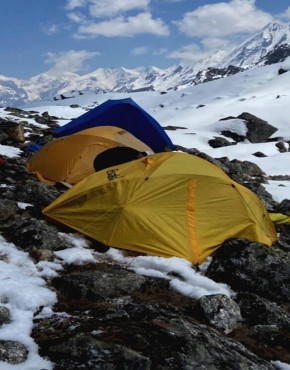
<point x="22" y="292"/>
<point x="280" y="365"/>
<point x="260" y="91"/>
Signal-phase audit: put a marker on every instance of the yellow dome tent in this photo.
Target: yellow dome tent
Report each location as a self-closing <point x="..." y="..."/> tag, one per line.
<point x="166" y="204"/>
<point x="70" y="159"/>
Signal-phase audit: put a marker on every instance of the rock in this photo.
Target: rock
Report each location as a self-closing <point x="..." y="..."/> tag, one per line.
<point x="253" y="268"/>
<point x="96" y="285"/>
<point x="283" y="207"/>
<point x="84" y="348"/>
<point x="8" y="209"/>
<point x="260" y="311"/>
<point x="12" y="352"/>
<point x="219" y="142"/>
<point x="4" y="315"/>
<point x="174" y="128"/>
<point x="259" y="154"/>
<point x="282" y="71"/>
<point x="36" y="193"/>
<point x="158" y="335"/>
<point x="266" y="327"/>
<point x="34" y="233"/>
<point x="258" y="130"/>
<point x="221" y="311"/>
<point x="281" y="147"/>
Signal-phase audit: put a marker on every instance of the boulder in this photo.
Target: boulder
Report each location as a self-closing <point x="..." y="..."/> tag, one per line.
<point x="220" y="311"/>
<point x="258" y="130"/>
<point x="253" y="268"/>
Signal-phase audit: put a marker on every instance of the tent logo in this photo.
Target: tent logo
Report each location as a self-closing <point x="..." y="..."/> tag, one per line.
<point x="112" y="174"/>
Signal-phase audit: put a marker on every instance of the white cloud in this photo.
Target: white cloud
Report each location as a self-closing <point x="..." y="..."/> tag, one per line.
<point x="209" y="48"/>
<point x="161" y="51"/>
<point x="223" y="19"/>
<point x="286" y="14"/>
<point x="77" y="17"/>
<point x="68" y="61"/>
<point x="107" y="8"/>
<point x="72" y="4"/>
<point x="51" y="29"/>
<point x="215" y="43"/>
<point x="141" y="50"/>
<point x="120" y="26"/>
<point x="189" y="53"/>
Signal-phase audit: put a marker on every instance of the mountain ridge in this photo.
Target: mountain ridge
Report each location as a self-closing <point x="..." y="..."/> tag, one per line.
<point x="261" y="49"/>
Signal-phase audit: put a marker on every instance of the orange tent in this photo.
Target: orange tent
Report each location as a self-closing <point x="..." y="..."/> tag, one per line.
<point x="70" y="159"/>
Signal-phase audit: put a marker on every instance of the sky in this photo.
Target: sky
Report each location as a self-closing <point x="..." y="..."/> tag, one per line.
<point x="255" y="92"/>
<point x="79" y="36"/>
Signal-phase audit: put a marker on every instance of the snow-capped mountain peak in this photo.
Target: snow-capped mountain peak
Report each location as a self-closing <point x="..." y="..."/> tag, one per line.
<point x="254" y="49"/>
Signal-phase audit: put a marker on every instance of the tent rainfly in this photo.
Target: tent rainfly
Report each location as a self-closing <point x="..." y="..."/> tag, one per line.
<point x="126" y="114"/>
<point x="166" y="204"/>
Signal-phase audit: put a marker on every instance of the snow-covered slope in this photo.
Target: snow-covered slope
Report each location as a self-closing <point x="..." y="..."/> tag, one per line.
<point x="260" y="91"/>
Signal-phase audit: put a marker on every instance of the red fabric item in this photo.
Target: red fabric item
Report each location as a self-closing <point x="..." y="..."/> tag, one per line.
<point x="2" y="162"/>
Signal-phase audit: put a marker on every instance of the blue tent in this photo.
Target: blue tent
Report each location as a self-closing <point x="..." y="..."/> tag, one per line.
<point x="126" y="114"/>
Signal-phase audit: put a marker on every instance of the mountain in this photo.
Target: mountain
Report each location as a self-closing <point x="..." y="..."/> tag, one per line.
<point x="270" y="45"/>
<point x="255" y="49"/>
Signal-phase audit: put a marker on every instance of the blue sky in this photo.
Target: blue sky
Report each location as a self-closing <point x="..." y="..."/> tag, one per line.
<point x="82" y="35"/>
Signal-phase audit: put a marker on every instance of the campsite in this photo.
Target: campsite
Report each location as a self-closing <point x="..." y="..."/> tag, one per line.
<point x="159" y="262"/>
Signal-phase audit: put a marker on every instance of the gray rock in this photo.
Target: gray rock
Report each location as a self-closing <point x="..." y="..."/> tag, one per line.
<point x="4" y="315"/>
<point x="260" y="311"/>
<point x="84" y="348"/>
<point x="221" y="311"/>
<point x="254" y="268"/>
<point x="153" y="336"/>
<point x="12" y="352"/>
<point x="259" y="154"/>
<point x="281" y="146"/>
<point x="34" y="233"/>
<point x="96" y="285"/>
<point x="219" y="142"/>
<point x="8" y="209"/>
<point x="36" y="193"/>
<point x="258" y="130"/>
<point x="283" y="207"/>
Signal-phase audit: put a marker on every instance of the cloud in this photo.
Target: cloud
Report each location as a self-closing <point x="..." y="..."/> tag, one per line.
<point x="68" y="61"/>
<point x="50" y="29"/>
<point x="222" y="19"/>
<point x="72" y="4"/>
<point x="108" y="8"/>
<point x="141" y="50"/>
<point x="140" y="24"/>
<point x="172" y="1"/>
<point x="189" y="53"/>
<point x="215" y="43"/>
<point x="285" y="15"/>
<point x="77" y="17"/>
<point x="161" y="51"/>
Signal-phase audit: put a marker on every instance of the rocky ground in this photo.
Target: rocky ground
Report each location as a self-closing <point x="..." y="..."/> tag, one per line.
<point x="116" y="319"/>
